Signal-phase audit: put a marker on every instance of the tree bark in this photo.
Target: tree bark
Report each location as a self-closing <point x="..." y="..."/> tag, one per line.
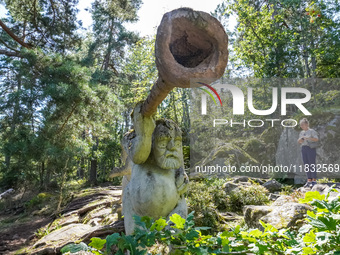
<point x="93" y="172"/>
<point x="42" y="172"/>
<point x="94" y="164"/>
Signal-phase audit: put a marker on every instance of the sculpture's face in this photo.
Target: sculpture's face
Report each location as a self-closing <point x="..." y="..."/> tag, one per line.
<point x="167" y="148"/>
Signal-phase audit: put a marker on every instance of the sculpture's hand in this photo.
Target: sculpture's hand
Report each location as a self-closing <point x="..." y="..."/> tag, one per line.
<point x="139" y="147"/>
<point x="143" y="125"/>
<point x="182" y="187"/>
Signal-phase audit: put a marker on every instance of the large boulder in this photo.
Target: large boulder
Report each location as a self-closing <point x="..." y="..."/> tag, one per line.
<point x="284" y="199"/>
<point x="286" y="215"/>
<point x="226" y="154"/>
<point x="282" y="213"/>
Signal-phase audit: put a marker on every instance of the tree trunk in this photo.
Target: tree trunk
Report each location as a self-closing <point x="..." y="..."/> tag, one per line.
<point x="81" y="169"/>
<point x="94" y="164"/>
<point x="93" y="172"/>
<point x="42" y="172"/>
<point x="15" y="119"/>
<point x="47" y="177"/>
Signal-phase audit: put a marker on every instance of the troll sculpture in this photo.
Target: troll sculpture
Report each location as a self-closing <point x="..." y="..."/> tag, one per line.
<point x="189" y="45"/>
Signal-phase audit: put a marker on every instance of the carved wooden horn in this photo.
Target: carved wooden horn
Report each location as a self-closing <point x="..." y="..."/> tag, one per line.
<point x="189" y="44"/>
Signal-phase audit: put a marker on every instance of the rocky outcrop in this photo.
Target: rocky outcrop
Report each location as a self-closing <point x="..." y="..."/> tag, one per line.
<point x="280" y="214"/>
<point x="285" y="211"/>
<point x="323" y="189"/>
<point x="253" y="214"/>
<point x="286" y="215"/>
<point x="93" y="213"/>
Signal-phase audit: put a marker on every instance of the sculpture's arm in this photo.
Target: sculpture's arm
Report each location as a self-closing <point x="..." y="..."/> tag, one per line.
<point x="139" y="147"/>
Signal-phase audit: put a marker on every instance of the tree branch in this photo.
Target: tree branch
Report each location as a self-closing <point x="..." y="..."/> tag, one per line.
<point x="7" y="46"/>
<point x="10" y="53"/>
<point x="11" y="34"/>
<point x="67" y="119"/>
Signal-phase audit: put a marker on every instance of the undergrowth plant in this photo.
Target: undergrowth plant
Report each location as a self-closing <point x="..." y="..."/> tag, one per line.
<point x="319" y="235"/>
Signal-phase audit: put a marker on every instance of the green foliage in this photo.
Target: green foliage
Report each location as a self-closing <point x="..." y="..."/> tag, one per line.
<point x="285" y="39"/>
<point x="38" y="200"/>
<point x="216" y="200"/>
<point x="59" y="105"/>
<point x="320" y="235"/>
<point x="97" y="243"/>
<point x="248" y="195"/>
<point x="206" y="210"/>
<point x="73" y="248"/>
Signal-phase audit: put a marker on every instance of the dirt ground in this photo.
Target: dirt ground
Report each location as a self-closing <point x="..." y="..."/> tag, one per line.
<point x="18" y="231"/>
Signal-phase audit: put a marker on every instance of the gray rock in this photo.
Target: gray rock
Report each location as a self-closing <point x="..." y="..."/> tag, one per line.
<point x="286" y="215"/>
<point x="282" y="200"/>
<point x="70" y="219"/>
<point x="325" y="188"/>
<point x="322" y="188"/>
<point x="303" y="189"/>
<point x="64" y="235"/>
<point x="91" y="214"/>
<point x="245" y="184"/>
<point x="272" y="185"/>
<point x="229" y="186"/>
<point x="273" y="196"/>
<point x="253" y="213"/>
<point x="240" y="179"/>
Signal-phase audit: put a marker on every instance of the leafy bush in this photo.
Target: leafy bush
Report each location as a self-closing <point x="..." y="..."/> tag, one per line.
<point x="38" y="200"/>
<point x="206" y="198"/>
<point x="248" y="195"/>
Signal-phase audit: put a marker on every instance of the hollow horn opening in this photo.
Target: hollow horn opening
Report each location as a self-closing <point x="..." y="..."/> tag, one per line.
<point x="189" y="44"/>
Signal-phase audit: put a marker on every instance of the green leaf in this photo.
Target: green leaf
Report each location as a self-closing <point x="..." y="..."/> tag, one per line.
<point x="97" y="243"/>
<point x="73" y="248"/>
<point x="147" y="220"/>
<point x="320" y="204"/>
<point x="330" y="223"/>
<point x="312" y="195"/>
<point x="307" y="251"/>
<point x="192" y="235"/>
<point x="309" y="238"/>
<point x="237" y="229"/>
<point x="317" y="223"/>
<point x="178" y="220"/>
<point x="111" y="240"/>
<point x="255" y="233"/>
<point x="159" y="224"/>
<point x="268" y="227"/>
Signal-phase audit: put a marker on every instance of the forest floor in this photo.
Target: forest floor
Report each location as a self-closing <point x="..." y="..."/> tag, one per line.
<point x="30" y="215"/>
<point x="19" y="222"/>
<point x="16" y="230"/>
